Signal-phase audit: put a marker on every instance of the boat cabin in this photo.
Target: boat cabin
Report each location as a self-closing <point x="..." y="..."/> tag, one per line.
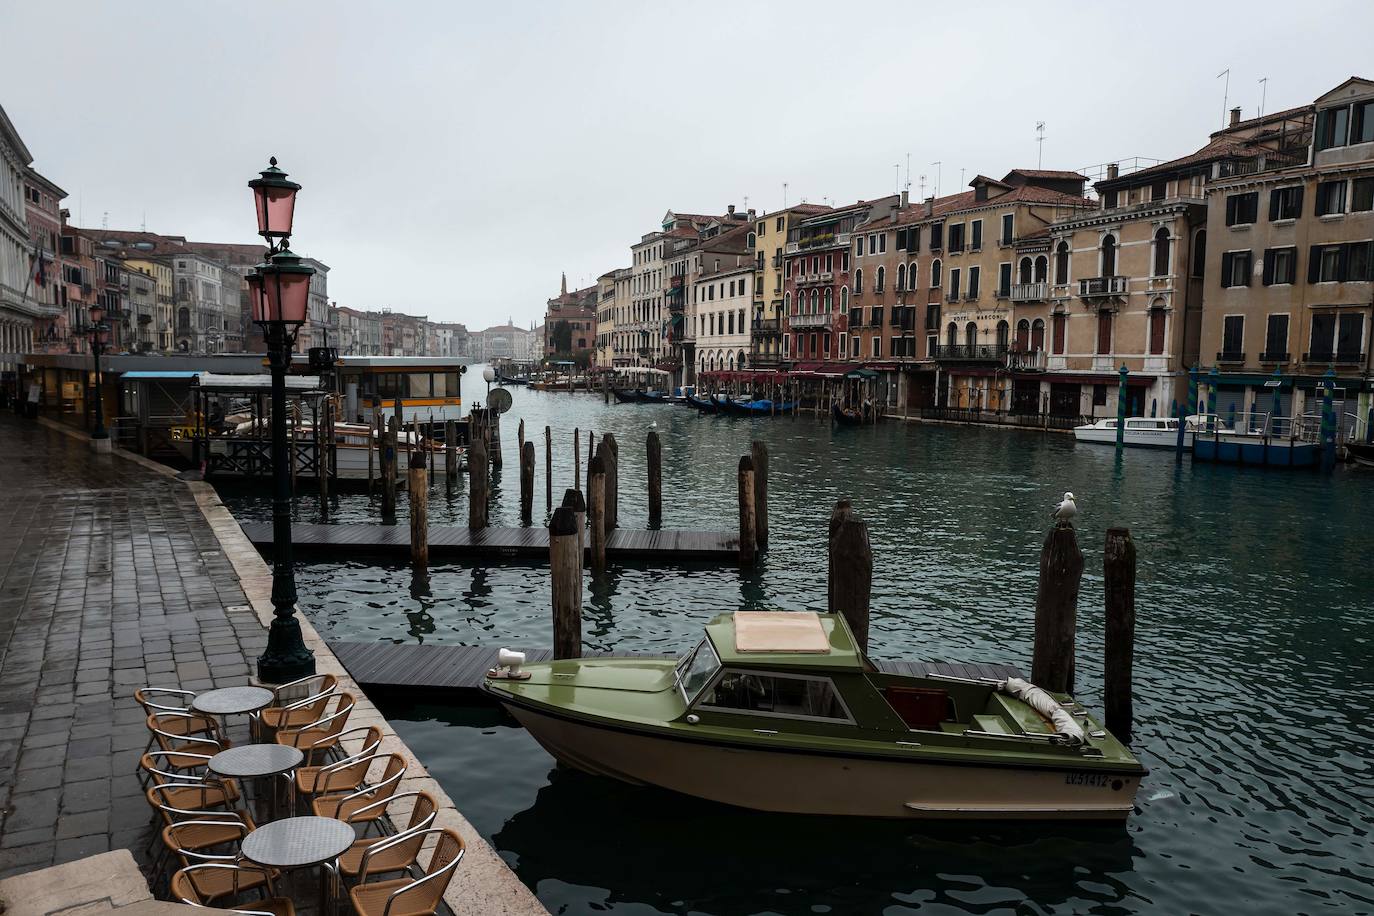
<point x="806" y="668"/>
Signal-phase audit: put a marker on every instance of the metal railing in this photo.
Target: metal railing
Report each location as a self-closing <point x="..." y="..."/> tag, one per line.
<point x="1101" y="286"/>
<point x="1340" y="357"/>
<point x="976" y="352"/>
<point x="1268" y="357"/>
<point x="1230" y="356"/>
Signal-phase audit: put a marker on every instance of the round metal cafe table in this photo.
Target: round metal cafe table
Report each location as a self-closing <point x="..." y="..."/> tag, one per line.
<point x="258" y="761"/>
<point x="232" y="701"/>
<point x="300" y="842"/>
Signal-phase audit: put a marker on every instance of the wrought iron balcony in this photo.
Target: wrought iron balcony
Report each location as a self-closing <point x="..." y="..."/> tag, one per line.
<point x="767" y="327"/>
<point x="1339" y="357"/>
<point x="1029" y="292"/>
<point x="1231" y="356"/>
<point x="993" y="353"/>
<point x="1272" y="357"/>
<point x="1100" y="287"/>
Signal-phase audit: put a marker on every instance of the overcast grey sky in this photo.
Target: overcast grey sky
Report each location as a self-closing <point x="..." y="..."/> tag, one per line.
<point x="457" y="157"/>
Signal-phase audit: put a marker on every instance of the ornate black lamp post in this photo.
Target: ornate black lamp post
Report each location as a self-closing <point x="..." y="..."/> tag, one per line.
<point x="280" y="290"/>
<point x="100" y="333"/>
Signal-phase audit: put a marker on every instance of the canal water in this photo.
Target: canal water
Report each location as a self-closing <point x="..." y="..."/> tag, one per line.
<point x="1252" y="667"/>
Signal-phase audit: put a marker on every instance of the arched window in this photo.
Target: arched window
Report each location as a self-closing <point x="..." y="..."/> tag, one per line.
<point x="844" y="300"/>
<point x="901" y="277"/>
<point x="1037" y="335"/>
<point x="1161" y="252"/>
<point x="952" y="335"/>
<point x="858" y="280"/>
<point x="971" y="336"/>
<point x="1061" y="263"/>
<point x="787" y="303"/>
<point x="1157" y="318"/>
<point x="935" y="274"/>
<point x="750" y="239"/>
<point x="911" y="276"/>
<point x="1023" y="270"/>
<point x="1003" y="334"/>
<point x="1023" y="335"/>
<point x="1108" y="255"/>
<point x="732" y="361"/>
<point x="740" y="360"/>
<point x="1042" y="269"/>
<point x="1199" y="253"/>
<point x="878" y="279"/>
<point x="815" y="301"/>
<point x="829" y="299"/>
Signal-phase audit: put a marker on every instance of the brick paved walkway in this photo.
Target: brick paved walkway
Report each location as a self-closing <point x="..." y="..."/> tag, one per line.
<point x="110" y="578"/>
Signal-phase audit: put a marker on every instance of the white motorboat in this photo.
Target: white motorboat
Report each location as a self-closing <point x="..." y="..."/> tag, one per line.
<point x="1149" y="432"/>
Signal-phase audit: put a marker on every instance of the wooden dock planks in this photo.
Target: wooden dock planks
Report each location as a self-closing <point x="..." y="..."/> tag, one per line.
<point x="388" y="665"/>
<point x="532" y="542"/>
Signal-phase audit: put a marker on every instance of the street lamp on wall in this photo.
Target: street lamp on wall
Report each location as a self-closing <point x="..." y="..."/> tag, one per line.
<point x="100" y="334"/>
<point x="278" y="292"/>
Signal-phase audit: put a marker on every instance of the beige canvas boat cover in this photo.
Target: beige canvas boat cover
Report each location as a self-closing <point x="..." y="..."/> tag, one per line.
<point x="779" y="631"/>
<point x="1046" y="705"/>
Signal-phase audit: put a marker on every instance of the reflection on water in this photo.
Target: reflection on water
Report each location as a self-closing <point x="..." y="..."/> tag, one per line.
<point x="1253" y="649"/>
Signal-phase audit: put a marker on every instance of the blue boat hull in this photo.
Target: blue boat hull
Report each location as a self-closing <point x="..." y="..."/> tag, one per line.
<point x="1252" y="450"/>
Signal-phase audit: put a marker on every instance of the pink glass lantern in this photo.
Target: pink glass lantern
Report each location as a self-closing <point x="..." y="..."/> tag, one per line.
<point x="274" y="198"/>
<point x="285" y="289"/>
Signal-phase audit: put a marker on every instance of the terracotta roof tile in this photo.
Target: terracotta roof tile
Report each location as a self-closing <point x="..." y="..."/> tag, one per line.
<point x="1050" y="174"/>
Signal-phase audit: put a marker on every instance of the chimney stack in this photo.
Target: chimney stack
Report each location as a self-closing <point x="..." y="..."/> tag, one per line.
<point x="930" y="206"/>
<point x="1113" y="170"/>
<point x="751" y="214"/>
<point x="906" y="199"/>
<point x="1235" y="116"/>
<point x="730" y="210"/>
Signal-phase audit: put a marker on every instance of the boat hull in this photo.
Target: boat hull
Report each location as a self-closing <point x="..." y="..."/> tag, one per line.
<point x="625" y="397"/>
<point x="847" y="417"/>
<point x="793" y="782"/>
<point x="1256" y="450"/>
<point x="1135" y="438"/>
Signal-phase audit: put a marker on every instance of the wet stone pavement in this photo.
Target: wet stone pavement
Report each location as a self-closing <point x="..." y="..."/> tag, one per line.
<point x="110" y="579"/>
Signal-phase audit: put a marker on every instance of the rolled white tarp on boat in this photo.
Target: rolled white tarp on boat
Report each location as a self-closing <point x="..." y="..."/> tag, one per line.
<point x="1046" y="705"/>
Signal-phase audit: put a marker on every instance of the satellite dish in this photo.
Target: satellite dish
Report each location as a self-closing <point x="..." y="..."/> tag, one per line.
<point x="499" y="400"/>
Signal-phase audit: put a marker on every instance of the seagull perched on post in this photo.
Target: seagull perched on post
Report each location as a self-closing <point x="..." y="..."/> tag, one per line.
<point x="1065" y="511"/>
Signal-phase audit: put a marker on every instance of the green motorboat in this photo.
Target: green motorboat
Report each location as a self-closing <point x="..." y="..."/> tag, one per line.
<point x="780" y="711"/>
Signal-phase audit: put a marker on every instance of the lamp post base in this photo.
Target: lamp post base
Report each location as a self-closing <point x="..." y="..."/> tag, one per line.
<point x="286" y="658"/>
<point x="103" y="446"/>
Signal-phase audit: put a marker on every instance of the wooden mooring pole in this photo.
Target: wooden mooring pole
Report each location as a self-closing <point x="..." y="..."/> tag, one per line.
<point x="577" y="458"/>
<point x="748" y="547"/>
<point x="450" y="455"/>
<point x="850" y="578"/>
<point x="478" y="482"/>
<point x="492" y="425"/>
<point x="548" y="469"/>
<point x="417" y="482"/>
<point x="527" y="482"/>
<point x="374" y="449"/>
<point x="1056" y="610"/>
<point x="574" y="500"/>
<point x="596" y="511"/>
<point x="655" y="455"/>
<point x="1118" y="576"/>
<point x="389" y="472"/>
<point x="565" y="567"/>
<point x="611" y="452"/>
<point x="759" y="452"/>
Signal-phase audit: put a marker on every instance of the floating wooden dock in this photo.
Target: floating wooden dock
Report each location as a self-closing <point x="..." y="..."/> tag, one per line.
<point x="532" y="542"/>
<point x="393" y="666"/>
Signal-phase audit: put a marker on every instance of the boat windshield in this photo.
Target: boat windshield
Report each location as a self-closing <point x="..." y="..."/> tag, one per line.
<point x="696" y="669"/>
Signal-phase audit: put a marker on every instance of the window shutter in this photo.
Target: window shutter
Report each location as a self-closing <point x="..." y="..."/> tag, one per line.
<point x="1343" y="261"/>
<point x="1225" y="269"/>
<point x="1297" y="200"/>
<point x="1248" y="266"/>
<point x="1230" y="211"/>
<point x="901" y="240"/>
<point x="1273" y="205"/>
<point x="1269" y="267"/>
<point x="1314" y="263"/>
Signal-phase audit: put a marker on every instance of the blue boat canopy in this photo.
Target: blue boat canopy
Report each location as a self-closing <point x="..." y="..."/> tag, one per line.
<point x="163" y="374"/>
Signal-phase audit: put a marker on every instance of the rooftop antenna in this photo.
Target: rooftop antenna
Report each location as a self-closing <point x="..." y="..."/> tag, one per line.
<point x="144" y="227"/>
<point x="961" y="178"/>
<point x="897" y="183"/>
<point x="908" y="173"/>
<point x="923" y="187"/>
<point x="1040" y="139"/>
<point x="1264" y="86"/>
<point x="1225" y="93"/>
<point x="784" y="195"/>
<point x="938" y="167"/>
<point x="105" y="220"/>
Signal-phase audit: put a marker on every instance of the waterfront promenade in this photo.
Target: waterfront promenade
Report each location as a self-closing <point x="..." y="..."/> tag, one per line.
<point x="114" y="574"/>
